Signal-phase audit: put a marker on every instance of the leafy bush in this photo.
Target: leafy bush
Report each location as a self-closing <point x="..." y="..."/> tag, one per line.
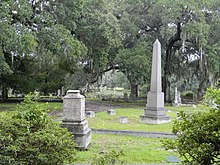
<point x="198" y="135"/>
<point x="188" y="94"/>
<point x="212" y="96"/>
<point x="29" y="136"/>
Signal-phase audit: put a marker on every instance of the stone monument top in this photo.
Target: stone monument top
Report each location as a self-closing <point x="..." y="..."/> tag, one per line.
<point x="73" y="94"/>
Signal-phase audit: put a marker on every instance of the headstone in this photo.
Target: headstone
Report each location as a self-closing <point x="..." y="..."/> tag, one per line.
<point x="10" y="92"/>
<point x="178" y="116"/>
<point x="111" y="112"/>
<point x="126" y="96"/>
<point x="154" y="112"/>
<point x="179" y="98"/>
<point x="58" y="92"/>
<point x="90" y="114"/>
<point x="173" y="159"/>
<point x="123" y="120"/>
<point x="74" y="118"/>
<point x="175" y="102"/>
<point x="62" y="91"/>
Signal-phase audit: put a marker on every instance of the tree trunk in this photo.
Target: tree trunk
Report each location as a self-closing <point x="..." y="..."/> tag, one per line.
<point x="202" y="86"/>
<point x="207" y="161"/>
<point x="134" y="91"/>
<point x="168" y="60"/>
<point x="4" y="93"/>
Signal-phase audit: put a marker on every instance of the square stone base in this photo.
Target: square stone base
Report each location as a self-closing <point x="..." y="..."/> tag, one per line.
<point x="83" y="140"/>
<point x="82" y="134"/>
<point x="155" y="119"/>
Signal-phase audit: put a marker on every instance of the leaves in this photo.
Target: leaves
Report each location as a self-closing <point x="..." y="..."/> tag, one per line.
<point x="29" y="136"/>
<point x="198" y="138"/>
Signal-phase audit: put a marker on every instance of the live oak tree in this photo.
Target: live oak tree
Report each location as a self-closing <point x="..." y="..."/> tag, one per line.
<point x="187" y="28"/>
<point x="135" y="63"/>
<point x="134" y="57"/>
<point x="33" y="31"/>
<point x="99" y="30"/>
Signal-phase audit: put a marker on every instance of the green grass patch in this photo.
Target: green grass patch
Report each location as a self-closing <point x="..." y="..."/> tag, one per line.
<point x="105" y="121"/>
<point x="137" y="150"/>
<point x="126" y="104"/>
<point x="192" y="109"/>
<point x="12" y="106"/>
<point x="8" y="106"/>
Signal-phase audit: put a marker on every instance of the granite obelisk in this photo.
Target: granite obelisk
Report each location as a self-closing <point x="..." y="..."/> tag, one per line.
<point x="154" y="112"/>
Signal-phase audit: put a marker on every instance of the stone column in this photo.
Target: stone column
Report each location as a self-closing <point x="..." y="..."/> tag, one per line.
<point x="154" y="112"/>
<point x="62" y="91"/>
<point x="74" y="118"/>
<point x="175" y="103"/>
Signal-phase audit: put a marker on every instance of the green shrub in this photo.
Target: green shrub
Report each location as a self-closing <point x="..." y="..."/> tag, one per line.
<point x="187" y="94"/>
<point x="29" y="136"/>
<point x="198" y="135"/>
<point x="212" y="96"/>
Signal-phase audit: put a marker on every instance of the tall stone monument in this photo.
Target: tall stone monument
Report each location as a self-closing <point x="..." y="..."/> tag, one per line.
<point x="154" y="112"/>
<point x="74" y="118"/>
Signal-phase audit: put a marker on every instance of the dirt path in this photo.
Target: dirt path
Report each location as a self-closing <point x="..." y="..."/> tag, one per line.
<point x="90" y="106"/>
<point x="100" y="106"/>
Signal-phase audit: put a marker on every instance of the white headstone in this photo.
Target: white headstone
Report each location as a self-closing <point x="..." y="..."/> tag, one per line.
<point x="175" y="102"/>
<point x="123" y="119"/>
<point x="58" y="92"/>
<point x="62" y="91"/>
<point x="111" y="112"/>
<point x="74" y="118"/>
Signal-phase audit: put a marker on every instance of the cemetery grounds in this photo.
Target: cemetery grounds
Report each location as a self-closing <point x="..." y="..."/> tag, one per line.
<point x="135" y="149"/>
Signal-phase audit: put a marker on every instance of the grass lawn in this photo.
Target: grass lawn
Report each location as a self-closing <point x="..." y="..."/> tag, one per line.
<point x="137" y="150"/>
<point x="12" y="106"/>
<point x="105" y="121"/>
<point x="8" y="106"/>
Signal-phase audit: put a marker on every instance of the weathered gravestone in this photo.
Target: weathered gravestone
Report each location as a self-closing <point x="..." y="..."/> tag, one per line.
<point x="58" y="92"/>
<point x="179" y="98"/>
<point x="111" y="112"/>
<point x="125" y="96"/>
<point x="90" y="114"/>
<point x="176" y="102"/>
<point x="74" y="118"/>
<point x="10" y="91"/>
<point x="62" y="91"/>
<point x="154" y="112"/>
<point x="123" y="119"/>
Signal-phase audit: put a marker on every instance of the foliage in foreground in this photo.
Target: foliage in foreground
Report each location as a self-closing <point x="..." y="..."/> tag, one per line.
<point x="198" y="134"/>
<point x="29" y="136"/>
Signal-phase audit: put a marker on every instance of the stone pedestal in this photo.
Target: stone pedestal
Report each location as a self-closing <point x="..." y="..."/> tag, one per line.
<point x="74" y="118"/>
<point x="154" y="112"/>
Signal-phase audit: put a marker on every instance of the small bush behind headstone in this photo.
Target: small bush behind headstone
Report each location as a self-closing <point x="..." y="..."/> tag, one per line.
<point x="198" y="134"/>
<point x="29" y="136"/>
